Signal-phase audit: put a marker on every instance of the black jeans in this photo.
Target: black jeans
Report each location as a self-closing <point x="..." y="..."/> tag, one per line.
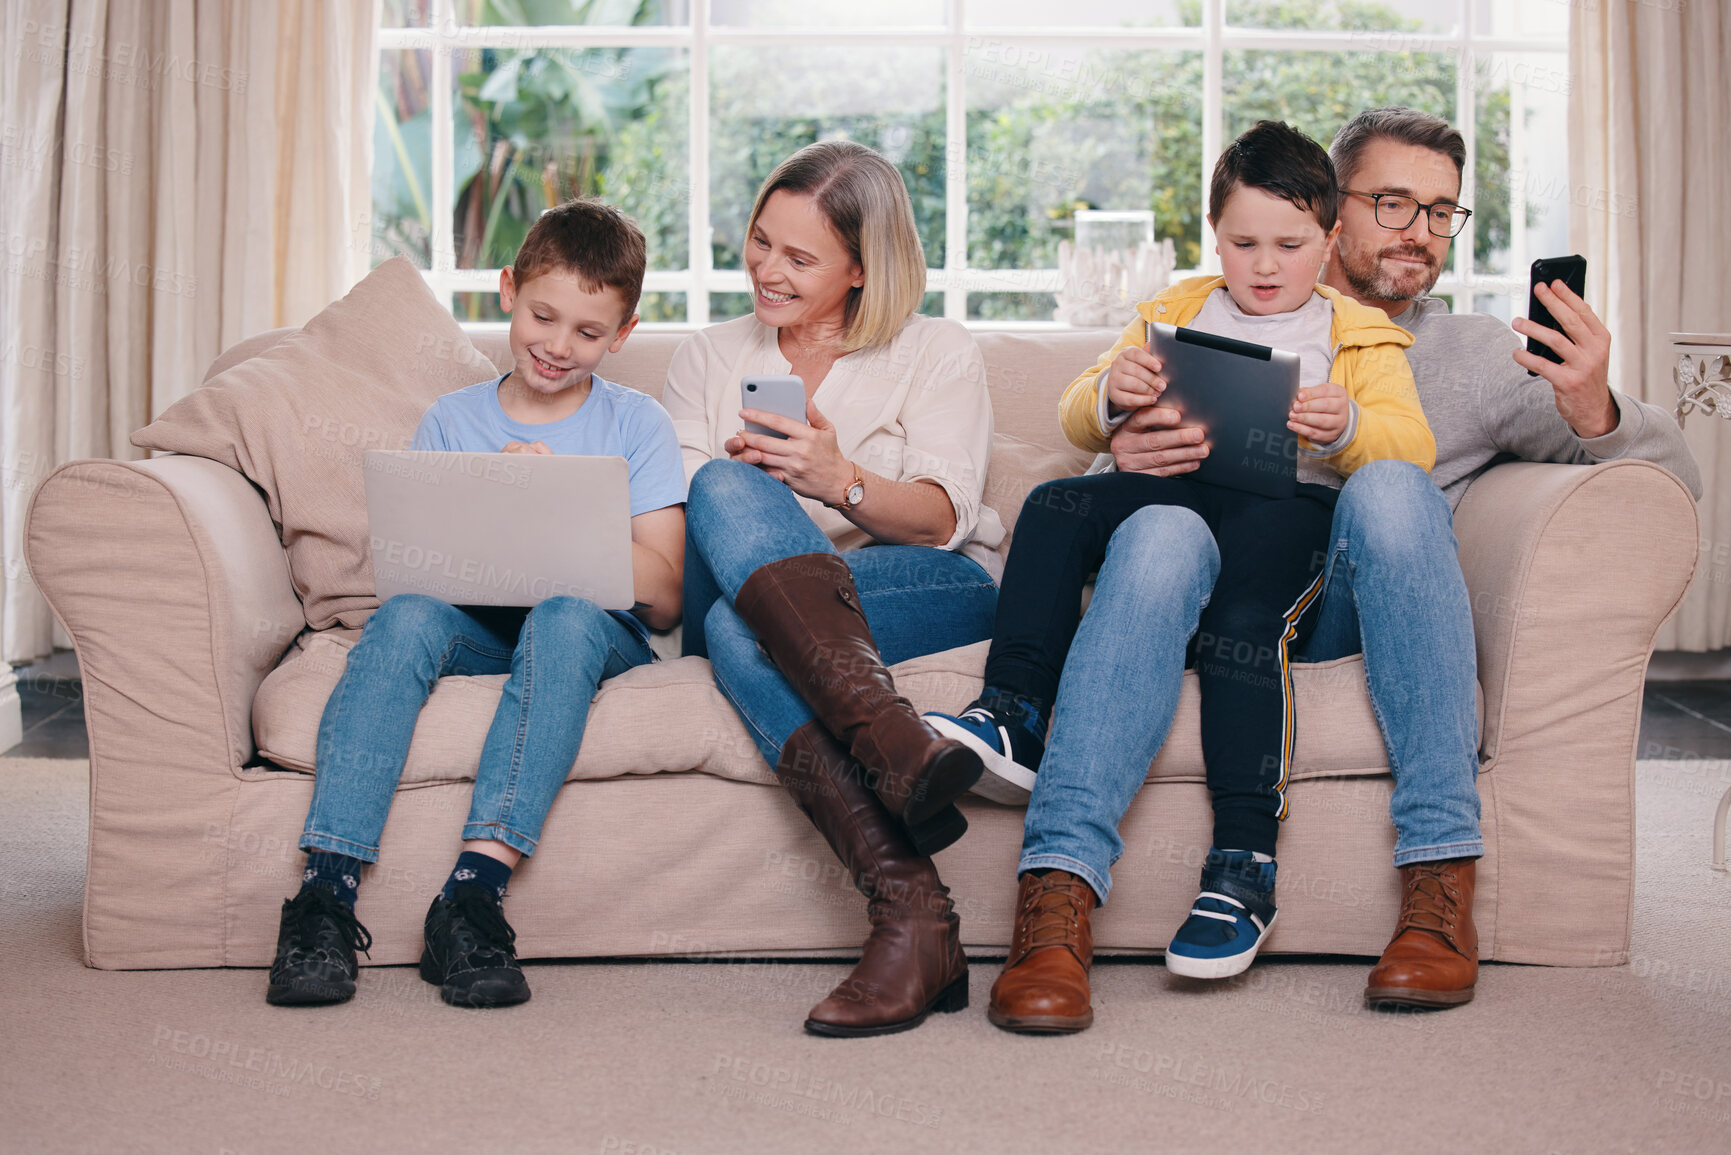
<point x="1262" y="609"/>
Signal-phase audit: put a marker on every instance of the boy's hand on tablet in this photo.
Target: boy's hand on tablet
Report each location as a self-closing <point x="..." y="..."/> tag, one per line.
<point x="525" y="447"/>
<point x="1320" y="413"/>
<point x="1133" y="380"/>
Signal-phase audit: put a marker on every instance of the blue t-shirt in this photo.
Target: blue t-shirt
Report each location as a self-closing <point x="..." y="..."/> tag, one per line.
<point x="613" y="421"/>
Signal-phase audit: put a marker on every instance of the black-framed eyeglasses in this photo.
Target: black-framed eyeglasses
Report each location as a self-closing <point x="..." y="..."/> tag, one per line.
<point x="1398" y="211"/>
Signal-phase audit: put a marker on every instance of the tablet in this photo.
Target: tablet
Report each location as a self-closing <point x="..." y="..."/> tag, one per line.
<point x="1241" y="394"/>
<point x="499" y="529"/>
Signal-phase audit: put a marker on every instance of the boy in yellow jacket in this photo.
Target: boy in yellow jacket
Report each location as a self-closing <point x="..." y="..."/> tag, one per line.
<point x="1273" y="203"/>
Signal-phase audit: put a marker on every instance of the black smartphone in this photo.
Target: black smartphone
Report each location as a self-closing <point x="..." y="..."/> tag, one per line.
<point x="1572" y="271"/>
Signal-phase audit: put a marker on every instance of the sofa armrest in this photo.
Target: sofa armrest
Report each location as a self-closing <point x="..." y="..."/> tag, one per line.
<point x="173" y="583"/>
<point x="170" y="578"/>
<point x="1572" y="570"/>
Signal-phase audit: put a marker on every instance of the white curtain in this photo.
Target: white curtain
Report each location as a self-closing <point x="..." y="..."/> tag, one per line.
<point x="1650" y="166"/>
<point x="179" y="174"/>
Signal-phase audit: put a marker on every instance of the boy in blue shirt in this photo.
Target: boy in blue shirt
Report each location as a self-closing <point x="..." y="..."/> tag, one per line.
<point x="572" y="294"/>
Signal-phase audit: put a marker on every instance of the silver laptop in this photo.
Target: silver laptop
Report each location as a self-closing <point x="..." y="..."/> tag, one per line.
<point x="499" y="529"/>
<point x="1241" y="394"/>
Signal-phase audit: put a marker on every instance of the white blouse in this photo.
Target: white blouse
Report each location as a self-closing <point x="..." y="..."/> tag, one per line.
<point x="914" y="409"/>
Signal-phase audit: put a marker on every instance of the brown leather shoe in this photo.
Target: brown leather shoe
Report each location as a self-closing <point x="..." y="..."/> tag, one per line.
<point x="1043" y="989"/>
<point x="913" y="962"/>
<point x="806" y="614"/>
<point x="1433" y="959"/>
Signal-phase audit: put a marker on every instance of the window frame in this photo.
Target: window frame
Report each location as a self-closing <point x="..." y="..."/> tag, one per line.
<point x="1213" y="38"/>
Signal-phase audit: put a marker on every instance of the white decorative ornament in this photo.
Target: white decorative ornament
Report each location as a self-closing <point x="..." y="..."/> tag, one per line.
<point x="1704" y="383"/>
<point x="1102" y="287"/>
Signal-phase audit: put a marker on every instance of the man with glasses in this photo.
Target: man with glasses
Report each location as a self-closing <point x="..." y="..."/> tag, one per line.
<point x="1398" y="211"/>
<point x="1394" y="587"/>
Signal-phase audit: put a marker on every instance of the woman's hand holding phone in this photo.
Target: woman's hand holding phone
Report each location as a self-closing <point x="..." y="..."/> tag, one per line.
<point x="782" y="397"/>
<point x="806" y="456"/>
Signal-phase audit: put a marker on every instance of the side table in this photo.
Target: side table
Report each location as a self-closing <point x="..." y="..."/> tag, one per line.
<point x="1703" y="377"/>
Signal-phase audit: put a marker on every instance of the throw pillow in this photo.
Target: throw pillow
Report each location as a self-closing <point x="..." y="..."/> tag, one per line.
<point x="296" y="419"/>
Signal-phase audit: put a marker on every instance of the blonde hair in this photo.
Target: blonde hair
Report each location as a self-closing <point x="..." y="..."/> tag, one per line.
<point x="864" y="200"/>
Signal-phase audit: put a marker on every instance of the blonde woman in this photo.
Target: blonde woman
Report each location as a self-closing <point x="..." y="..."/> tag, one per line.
<point x="846" y="542"/>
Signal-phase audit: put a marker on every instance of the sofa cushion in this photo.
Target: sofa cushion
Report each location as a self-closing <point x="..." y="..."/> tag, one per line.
<point x="296" y="418"/>
<point x="1027" y="373"/>
<point x="666" y="716"/>
<point x="669" y="717"/>
<point x="1017" y="467"/>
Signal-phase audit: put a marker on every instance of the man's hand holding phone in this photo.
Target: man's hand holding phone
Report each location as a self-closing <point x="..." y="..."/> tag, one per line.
<point x="1579" y="375"/>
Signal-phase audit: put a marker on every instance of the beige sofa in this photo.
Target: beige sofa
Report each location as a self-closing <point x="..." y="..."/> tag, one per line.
<point x="203" y="690"/>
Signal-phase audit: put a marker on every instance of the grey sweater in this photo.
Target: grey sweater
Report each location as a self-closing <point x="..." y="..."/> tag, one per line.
<point x="1484" y="409"/>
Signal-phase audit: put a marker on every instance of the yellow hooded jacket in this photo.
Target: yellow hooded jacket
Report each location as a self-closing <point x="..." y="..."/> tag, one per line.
<point x="1369" y="363"/>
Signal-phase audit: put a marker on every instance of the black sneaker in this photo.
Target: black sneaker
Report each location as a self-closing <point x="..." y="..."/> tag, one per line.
<point x="470" y="951"/>
<point x="315" y="950"/>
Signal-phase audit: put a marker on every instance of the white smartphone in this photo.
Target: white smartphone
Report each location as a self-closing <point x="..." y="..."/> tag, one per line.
<point x="783" y="396"/>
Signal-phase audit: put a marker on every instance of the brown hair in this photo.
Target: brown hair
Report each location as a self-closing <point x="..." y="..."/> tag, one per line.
<point x="590" y="240"/>
<point x="1407" y="125"/>
<point x="862" y="196"/>
<point x="1279" y="160"/>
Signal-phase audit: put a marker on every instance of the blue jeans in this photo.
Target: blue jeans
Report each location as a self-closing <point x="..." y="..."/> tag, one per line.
<point x="917" y="599"/>
<point x="1119" y="691"/>
<point x="1393" y="582"/>
<point x="1267" y="589"/>
<point x="1394" y="590"/>
<point x="557" y="654"/>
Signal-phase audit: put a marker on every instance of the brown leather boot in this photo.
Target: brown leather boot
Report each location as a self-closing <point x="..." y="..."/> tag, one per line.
<point x="1044" y="985"/>
<point x="806" y="615"/>
<point x="913" y="962"/>
<point x="1433" y="959"/>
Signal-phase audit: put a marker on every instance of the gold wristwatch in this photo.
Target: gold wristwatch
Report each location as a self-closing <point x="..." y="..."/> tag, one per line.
<point x="855" y="492"/>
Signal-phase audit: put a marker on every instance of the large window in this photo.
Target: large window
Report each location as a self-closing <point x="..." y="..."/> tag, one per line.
<point x="1002" y="122"/>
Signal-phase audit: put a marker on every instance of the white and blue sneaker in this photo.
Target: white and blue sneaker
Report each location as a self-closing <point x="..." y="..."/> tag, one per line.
<point x="1230" y="920"/>
<point x="1010" y="750"/>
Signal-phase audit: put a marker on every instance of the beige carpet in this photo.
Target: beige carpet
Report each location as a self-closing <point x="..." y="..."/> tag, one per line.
<point x="690" y="1057"/>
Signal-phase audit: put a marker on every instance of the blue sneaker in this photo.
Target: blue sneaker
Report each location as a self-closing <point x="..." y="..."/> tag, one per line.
<point x="1010" y="749"/>
<point x="1231" y="918"/>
